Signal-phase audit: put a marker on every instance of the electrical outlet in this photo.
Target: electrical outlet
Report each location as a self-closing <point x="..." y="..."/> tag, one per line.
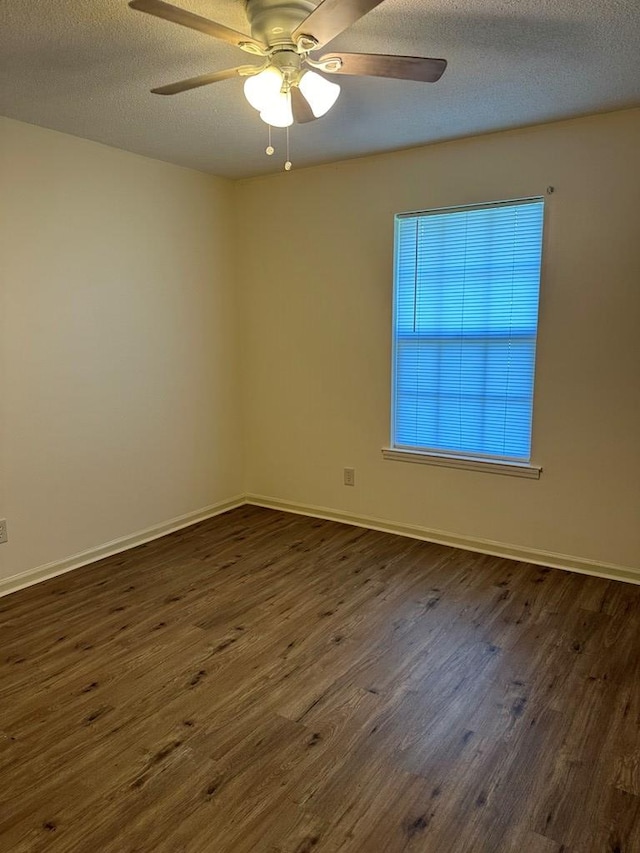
<point x="3" y="530"/>
<point x="349" y="476"/>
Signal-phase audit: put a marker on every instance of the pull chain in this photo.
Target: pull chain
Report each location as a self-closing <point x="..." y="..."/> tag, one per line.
<point x="288" y="164"/>
<point x="269" y="149"/>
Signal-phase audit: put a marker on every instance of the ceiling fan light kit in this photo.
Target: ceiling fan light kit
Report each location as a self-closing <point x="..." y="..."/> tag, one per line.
<point x="269" y="91"/>
<point x="285" y="34"/>
<point x="278" y="112"/>
<point x="262" y="88"/>
<point x="319" y="92"/>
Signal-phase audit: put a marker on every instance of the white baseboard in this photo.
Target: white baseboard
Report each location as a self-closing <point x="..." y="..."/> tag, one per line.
<point x="467" y="543"/>
<point x="483" y="546"/>
<point x="60" y="567"/>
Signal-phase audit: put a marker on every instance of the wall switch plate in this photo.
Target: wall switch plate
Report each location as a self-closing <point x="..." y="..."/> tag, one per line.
<point x="3" y="530"/>
<point x="349" y="476"/>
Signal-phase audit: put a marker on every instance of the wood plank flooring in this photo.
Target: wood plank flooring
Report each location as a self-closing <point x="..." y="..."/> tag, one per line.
<point x="269" y="683"/>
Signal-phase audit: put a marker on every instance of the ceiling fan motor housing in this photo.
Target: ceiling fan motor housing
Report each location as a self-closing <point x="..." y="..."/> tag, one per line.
<point x="273" y="21"/>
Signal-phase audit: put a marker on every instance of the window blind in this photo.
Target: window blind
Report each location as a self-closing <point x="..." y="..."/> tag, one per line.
<point x="466" y="289"/>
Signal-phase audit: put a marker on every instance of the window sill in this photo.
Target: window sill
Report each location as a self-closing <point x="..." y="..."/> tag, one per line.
<point x="467" y="463"/>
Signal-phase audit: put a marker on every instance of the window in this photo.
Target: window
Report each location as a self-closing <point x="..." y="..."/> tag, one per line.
<point x="464" y="335"/>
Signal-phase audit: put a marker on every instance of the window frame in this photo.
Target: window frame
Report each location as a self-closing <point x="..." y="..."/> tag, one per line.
<point x="454" y="459"/>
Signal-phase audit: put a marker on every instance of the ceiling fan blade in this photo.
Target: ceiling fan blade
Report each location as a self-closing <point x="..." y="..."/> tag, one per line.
<point x="195" y="82"/>
<point x="194" y="22"/>
<point x="300" y="107"/>
<point x="331" y="17"/>
<point x="380" y="65"/>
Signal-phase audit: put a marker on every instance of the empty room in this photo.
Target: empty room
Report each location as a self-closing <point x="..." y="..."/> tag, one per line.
<point x="319" y="426"/>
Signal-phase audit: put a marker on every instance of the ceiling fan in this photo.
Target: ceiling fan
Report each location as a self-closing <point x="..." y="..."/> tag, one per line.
<point x="286" y="87"/>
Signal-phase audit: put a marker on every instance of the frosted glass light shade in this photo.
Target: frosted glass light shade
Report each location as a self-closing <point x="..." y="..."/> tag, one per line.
<point x="278" y="112"/>
<point x="263" y="89"/>
<point x="320" y="93"/>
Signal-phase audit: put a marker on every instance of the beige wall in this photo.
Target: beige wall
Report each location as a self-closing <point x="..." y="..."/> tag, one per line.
<point x="119" y="386"/>
<point x="120" y="407"/>
<point x="316" y="269"/>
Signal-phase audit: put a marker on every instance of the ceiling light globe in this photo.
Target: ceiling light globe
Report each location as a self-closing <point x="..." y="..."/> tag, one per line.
<point x="262" y="89"/>
<point x="319" y="92"/>
<point x="278" y="113"/>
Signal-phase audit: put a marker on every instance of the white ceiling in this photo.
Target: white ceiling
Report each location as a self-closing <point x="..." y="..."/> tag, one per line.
<point x="86" y="66"/>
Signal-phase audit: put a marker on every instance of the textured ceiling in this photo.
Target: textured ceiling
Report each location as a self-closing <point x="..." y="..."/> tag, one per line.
<point x="86" y="66"/>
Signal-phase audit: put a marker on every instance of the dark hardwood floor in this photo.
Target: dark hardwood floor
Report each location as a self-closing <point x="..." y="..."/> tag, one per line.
<point x="269" y="683"/>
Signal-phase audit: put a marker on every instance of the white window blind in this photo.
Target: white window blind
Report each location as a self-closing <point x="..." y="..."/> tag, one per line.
<point x="465" y="321"/>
